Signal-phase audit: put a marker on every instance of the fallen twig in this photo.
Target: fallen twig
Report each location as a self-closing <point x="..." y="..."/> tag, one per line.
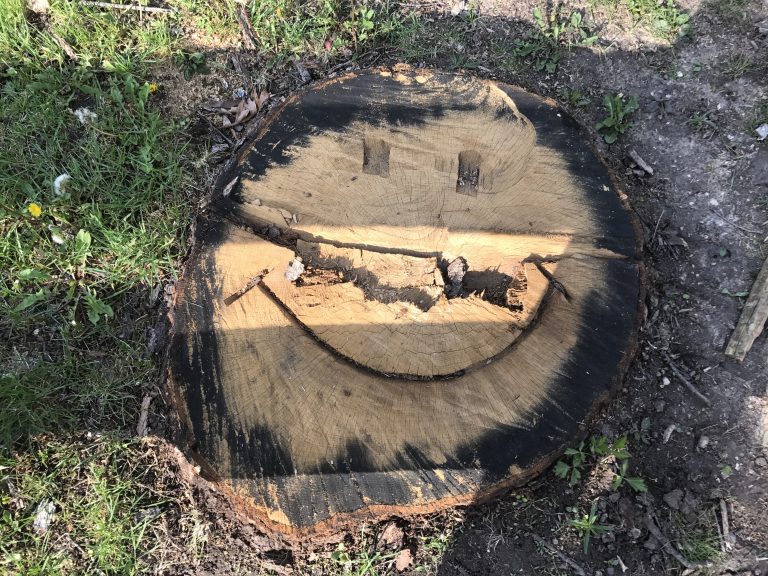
<point x="249" y="38"/>
<point x="726" y="526"/>
<point x="719" y="532"/>
<point x="640" y="162"/>
<point x="576" y="568"/>
<point x="137" y="7"/>
<point x="212" y="125"/>
<point x="141" y="427"/>
<point x="64" y="45"/>
<point x="656" y="228"/>
<point x="753" y="318"/>
<point x="685" y="381"/>
<point x="666" y="545"/>
<point x="739" y="226"/>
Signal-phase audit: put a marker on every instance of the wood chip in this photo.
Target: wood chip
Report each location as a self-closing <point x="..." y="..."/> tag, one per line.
<point x="752" y="319"/>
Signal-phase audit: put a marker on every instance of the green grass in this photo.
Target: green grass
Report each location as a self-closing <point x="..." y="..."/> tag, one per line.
<point x="735" y="66"/>
<point x="555" y="33"/>
<point x="321" y="29"/>
<point x="661" y="17"/>
<point x="75" y="261"/>
<point x="106" y="499"/>
<point x="702" y="122"/>
<point x="699" y="540"/>
<point x="213" y="21"/>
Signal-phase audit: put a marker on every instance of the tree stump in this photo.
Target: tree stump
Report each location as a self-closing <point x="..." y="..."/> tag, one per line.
<point x="412" y="291"/>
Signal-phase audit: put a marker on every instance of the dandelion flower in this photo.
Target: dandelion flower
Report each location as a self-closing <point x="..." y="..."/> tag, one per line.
<point x="34" y="209"/>
<point x="152" y="88"/>
<point x="60" y="184"/>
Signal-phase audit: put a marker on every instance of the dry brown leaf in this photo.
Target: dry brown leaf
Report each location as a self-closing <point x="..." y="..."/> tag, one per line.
<point x="391" y="536"/>
<point x="222" y="106"/>
<point x="247" y="108"/>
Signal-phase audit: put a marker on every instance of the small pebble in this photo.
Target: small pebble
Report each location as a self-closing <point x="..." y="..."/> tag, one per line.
<point x="762" y="462"/>
<point x="703" y="443"/>
<point x="635" y="533"/>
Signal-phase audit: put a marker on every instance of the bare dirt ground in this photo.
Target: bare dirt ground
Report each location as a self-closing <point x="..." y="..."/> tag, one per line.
<point x="704" y="212"/>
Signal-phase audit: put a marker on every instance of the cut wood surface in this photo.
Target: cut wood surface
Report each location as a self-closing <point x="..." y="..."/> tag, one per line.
<point x="412" y="291"/>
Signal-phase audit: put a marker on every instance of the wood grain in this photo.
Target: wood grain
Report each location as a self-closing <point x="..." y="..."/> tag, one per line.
<point x="372" y="384"/>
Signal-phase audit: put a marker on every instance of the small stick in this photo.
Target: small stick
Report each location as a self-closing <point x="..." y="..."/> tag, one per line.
<point x="739" y="226"/>
<point x="726" y="527"/>
<point x="685" y="381"/>
<point x="155" y="9"/>
<point x="64" y="45"/>
<point x="656" y="228"/>
<point x="576" y="568"/>
<point x="212" y="125"/>
<point x="640" y="162"/>
<point x="141" y="427"/>
<point x="666" y="545"/>
<point x="250" y="284"/>
<point x="753" y="318"/>
<point x="719" y="532"/>
<point x="249" y="38"/>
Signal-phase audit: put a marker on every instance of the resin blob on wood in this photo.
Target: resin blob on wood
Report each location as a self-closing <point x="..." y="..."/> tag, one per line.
<point x="411" y="291"/>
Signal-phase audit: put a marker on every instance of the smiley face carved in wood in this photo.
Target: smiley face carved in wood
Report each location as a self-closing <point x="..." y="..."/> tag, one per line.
<point x="469" y="292"/>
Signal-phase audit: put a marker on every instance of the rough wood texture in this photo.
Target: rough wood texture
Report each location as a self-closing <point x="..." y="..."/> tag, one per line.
<point x="753" y="318"/>
<point x="467" y="292"/>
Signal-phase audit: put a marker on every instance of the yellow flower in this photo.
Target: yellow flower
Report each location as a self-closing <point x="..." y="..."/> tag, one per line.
<point x="34" y="209"/>
<point x="278" y="11"/>
<point x="152" y="88"/>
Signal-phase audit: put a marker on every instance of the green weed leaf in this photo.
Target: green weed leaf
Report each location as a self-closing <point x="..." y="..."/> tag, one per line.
<point x="29" y="300"/>
<point x="30" y="275"/>
<point x="82" y="246"/>
<point x="636" y="483"/>
<point x="561" y="469"/>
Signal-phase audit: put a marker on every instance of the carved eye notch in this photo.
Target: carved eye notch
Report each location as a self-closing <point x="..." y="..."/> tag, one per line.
<point x="468" y="179"/>
<point x="376" y="156"/>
